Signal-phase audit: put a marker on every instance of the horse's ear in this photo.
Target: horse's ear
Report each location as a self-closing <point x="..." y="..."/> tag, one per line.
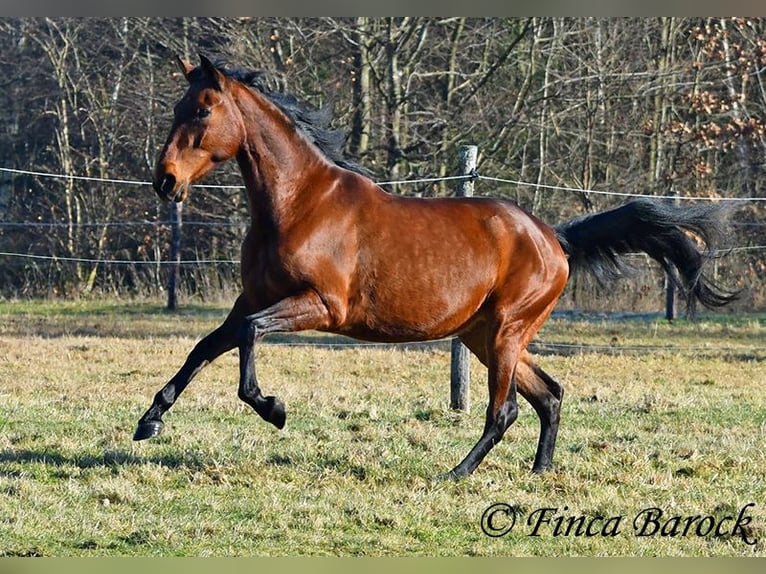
<point x="213" y="74"/>
<point x="184" y="66"/>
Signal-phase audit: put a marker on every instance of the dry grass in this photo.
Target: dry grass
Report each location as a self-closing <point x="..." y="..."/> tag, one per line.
<point x="367" y="430"/>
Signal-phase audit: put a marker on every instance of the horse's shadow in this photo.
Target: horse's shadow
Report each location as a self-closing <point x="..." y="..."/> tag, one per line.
<point x="108" y="459"/>
<point x="111" y="459"/>
<point x="185" y="462"/>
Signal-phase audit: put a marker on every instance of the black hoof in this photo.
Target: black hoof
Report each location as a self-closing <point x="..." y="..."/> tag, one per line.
<point x="275" y="412"/>
<point x="148" y="429"/>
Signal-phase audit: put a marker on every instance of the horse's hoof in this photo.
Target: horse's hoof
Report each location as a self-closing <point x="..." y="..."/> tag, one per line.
<point x="148" y="429"/>
<point x="275" y="412"/>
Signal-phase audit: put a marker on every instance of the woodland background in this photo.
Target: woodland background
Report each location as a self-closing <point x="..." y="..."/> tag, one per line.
<point x="652" y="106"/>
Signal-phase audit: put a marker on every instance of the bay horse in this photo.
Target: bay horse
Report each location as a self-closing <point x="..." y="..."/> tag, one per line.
<point x="329" y="250"/>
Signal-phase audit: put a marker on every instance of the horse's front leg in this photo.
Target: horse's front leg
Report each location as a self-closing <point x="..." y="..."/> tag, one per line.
<point x="223" y="339"/>
<point x="297" y="313"/>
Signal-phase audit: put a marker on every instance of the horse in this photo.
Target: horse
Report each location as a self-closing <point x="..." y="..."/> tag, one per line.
<point x="329" y="250"/>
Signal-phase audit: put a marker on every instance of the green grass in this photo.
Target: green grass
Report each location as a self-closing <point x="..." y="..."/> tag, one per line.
<point x="368" y="429"/>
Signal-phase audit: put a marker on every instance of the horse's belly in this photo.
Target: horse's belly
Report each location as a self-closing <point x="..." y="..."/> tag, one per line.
<point x="390" y="333"/>
<point x="412" y="316"/>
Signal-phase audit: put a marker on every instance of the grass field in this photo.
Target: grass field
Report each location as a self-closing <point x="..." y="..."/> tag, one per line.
<point x="662" y="416"/>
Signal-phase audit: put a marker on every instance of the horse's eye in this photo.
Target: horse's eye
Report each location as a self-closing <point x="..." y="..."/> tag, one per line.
<point x="203" y="113"/>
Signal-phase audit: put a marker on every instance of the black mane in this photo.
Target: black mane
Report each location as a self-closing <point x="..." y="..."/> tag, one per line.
<point x="313" y="122"/>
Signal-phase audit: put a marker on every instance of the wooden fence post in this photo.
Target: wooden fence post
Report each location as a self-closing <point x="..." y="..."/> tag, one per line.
<point x="460" y="373"/>
<point x="174" y="271"/>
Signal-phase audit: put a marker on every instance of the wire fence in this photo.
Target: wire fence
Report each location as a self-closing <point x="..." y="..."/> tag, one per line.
<point x="223" y="224"/>
<point x="539" y="347"/>
<point x="536" y="346"/>
<point x="474" y="176"/>
<point x="117" y="261"/>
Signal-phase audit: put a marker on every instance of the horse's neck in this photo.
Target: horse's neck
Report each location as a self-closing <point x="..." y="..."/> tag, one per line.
<point x="274" y="160"/>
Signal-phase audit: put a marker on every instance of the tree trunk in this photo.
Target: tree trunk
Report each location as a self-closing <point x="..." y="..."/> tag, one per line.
<point x="361" y="127"/>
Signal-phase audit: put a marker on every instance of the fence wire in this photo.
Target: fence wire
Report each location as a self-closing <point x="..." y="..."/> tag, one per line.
<point x="473" y="176"/>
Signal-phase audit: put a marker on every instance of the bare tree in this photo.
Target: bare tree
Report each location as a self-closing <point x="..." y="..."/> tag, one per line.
<point x="639" y="105"/>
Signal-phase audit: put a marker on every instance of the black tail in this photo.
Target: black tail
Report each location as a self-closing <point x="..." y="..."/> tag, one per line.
<point x="595" y="242"/>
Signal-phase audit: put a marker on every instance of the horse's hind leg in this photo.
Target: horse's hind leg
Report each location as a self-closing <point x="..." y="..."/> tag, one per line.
<point x="545" y="395"/>
<point x="543" y="392"/>
<point x="502" y="409"/>
<point x="223" y="339"/>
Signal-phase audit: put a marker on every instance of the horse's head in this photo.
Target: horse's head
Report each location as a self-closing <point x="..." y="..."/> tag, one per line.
<point x="207" y="130"/>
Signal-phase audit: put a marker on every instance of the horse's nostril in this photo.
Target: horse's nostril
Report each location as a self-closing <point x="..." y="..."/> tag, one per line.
<point x="166" y="186"/>
<point x="168" y="183"/>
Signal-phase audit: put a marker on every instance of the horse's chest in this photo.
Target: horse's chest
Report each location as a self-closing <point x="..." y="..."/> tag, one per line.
<point x="268" y="273"/>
